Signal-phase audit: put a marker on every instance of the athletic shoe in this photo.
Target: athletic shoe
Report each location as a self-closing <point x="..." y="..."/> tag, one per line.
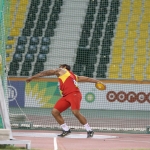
<point x="90" y="134"/>
<point x="64" y="133"/>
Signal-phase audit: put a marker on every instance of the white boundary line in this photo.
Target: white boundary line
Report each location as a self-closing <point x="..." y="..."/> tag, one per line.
<point x="55" y="144"/>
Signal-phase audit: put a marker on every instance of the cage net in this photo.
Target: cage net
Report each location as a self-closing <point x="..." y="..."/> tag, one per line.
<point x="103" y="39"/>
<point x="4" y="14"/>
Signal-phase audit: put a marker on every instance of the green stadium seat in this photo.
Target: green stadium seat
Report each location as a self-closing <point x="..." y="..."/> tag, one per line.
<point x="20" y="48"/>
<point x="56" y="9"/>
<point x="37" y="32"/>
<point x="83" y="42"/>
<point x="105" y="51"/>
<point x="49" y="33"/>
<point x="78" y="68"/>
<point x="89" y="69"/>
<point x="38" y="67"/>
<point x="41" y="58"/>
<point x="58" y="3"/>
<point x="22" y="40"/>
<point x="104" y="59"/>
<point x="54" y="17"/>
<point x="40" y="24"/>
<point x="24" y="73"/>
<point x="26" y="32"/>
<point x="32" y="15"/>
<point x="14" y="66"/>
<point x="12" y="73"/>
<point x="44" y="49"/>
<point x="32" y="49"/>
<point x="110" y="26"/>
<point x="45" y="41"/>
<point x="17" y="57"/>
<point x="47" y="3"/>
<point x="29" y="57"/>
<point x="26" y="66"/>
<point x="34" y="41"/>
<point x="102" y="68"/>
<point x="29" y="24"/>
<point x="95" y="42"/>
<point x="43" y="11"/>
<point x="51" y="24"/>
<point x="101" y="75"/>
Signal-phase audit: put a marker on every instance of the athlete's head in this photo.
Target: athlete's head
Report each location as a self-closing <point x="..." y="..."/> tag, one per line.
<point x="65" y="66"/>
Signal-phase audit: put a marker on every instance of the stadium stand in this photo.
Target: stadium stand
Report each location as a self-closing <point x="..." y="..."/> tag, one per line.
<point x="105" y="39"/>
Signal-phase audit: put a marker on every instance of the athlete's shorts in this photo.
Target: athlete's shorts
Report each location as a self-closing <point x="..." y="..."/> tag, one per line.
<point x="72" y="100"/>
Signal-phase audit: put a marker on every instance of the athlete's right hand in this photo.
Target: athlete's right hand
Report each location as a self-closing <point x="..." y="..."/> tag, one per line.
<point x="29" y="79"/>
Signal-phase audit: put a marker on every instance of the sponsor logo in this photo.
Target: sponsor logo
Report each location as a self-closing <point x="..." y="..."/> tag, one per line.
<point x="89" y="97"/>
<point x="131" y="97"/>
<point x="12" y="93"/>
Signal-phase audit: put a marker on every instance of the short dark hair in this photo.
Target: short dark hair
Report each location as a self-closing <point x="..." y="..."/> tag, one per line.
<point x="65" y="65"/>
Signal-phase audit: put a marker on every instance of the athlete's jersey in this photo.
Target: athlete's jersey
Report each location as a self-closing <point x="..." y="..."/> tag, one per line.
<point x="68" y="83"/>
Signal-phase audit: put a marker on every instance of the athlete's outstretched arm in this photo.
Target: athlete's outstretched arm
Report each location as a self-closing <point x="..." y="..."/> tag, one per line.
<point x="87" y="79"/>
<point x="44" y="73"/>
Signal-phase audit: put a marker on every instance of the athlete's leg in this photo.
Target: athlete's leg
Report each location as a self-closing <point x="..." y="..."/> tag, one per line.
<point x="79" y="116"/>
<point x="59" y="107"/>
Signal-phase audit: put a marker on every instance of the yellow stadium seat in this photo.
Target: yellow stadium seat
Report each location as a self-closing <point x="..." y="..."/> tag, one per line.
<point x="14" y="32"/>
<point x="12" y="8"/>
<point x="129" y="60"/>
<point x="9" y="51"/>
<point x="130" y="42"/>
<point x="145" y="19"/>
<point x="117" y="51"/>
<point x="18" y="24"/>
<point x="121" y="26"/>
<point x="22" y="9"/>
<point x="141" y="43"/>
<point x="126" y="4"/>
<point x="123" y="18"/>
<point x="141" y="52"/>
<point x="146" y="11"/>
<point x="138" y="69"/>
<point x="126" y="68"/>
<point x="118" y="42"/>
<point x="137" y="4"/>
<point x="147" y="4"/>
<point x="113" y="76"/>
<point x="132" y="35"/>
<point x="125" y="11"/>
<point x="120" y="34"/>
<point x="138" y="77"/>
<point x="132" y="26"/>
<point x="129" y="51"/>
<point x="13" y="2"/>
<point x="116" y="59"/>
<point x="114" y="68"/>
<point x="134" y="18"/>
<point x="136" y="11"/>
<point x="23" y="2"/>
<point x="8" y="59"/>
<point x="141" y="60"/>
<point x="10" y="42"/>
<point x="148" y="69"/>
<point x="20" y="17"/>
<point x="143" y="34"/>
<point x="126" y="76"/>
<point x="143" y="26"/>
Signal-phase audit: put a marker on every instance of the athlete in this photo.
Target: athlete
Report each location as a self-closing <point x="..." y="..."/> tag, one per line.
<point x="71" y="96"/>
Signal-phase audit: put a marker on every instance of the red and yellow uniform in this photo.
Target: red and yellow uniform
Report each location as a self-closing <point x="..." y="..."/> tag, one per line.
<point x="70" y="91"/>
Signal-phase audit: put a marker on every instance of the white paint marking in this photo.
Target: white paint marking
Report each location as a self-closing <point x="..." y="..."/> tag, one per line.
<point x="55" y="144"/>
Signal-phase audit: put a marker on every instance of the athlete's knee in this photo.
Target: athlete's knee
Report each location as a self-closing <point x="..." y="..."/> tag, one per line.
<point x="76" y="112"/>
<point x="55" y="112"/>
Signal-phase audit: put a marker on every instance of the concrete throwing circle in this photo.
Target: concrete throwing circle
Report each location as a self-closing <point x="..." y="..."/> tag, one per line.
<point x="52" y="135"/>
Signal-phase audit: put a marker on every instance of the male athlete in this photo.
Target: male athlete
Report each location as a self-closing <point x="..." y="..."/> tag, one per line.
<point x="71" y="96"/>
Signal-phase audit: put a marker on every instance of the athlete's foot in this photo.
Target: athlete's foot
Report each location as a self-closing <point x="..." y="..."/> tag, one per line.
<point x="90" y="134"/>
<point x="64" y="133"/>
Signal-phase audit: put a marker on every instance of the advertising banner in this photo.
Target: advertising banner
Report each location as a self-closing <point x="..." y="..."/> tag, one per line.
<point x="16" y="93"/>
<point x="41" y="94"/>
<point x="116" y="97"/>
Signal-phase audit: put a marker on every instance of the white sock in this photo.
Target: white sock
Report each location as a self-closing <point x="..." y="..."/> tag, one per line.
<point x="64" y="127"/>
<point x="87" y="127"/>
